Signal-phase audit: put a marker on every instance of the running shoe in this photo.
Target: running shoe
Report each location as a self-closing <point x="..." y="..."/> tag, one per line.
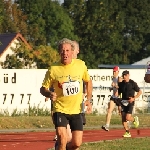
<point x="127" y="134"/>
<point x="105" y="128"/>
<point x="136" y="122"/>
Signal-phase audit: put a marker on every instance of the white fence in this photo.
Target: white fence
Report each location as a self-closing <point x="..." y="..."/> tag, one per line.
<point x="21" y="87"/>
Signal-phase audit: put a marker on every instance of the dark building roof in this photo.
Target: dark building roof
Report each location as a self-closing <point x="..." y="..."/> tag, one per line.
<point x="102" y="66"/>
<point x="7" y="38"/>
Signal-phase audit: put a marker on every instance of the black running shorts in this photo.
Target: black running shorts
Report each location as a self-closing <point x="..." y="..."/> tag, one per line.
<point x="117" y="101"/>
<point x="75" y="121"/>
<point x="83" y="118"/>
<point x="128" y="109"/>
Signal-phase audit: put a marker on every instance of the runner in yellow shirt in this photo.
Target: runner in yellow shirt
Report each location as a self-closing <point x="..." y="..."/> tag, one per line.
<point x="66" y="78"/>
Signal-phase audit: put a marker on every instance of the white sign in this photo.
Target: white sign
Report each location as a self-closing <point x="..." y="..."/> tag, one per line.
<point x="102" y="79"/>
<point x="20" y="88"/>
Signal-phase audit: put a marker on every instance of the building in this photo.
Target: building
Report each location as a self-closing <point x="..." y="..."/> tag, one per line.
<point x="144" y="61"/>
<point x="9" y="41"/>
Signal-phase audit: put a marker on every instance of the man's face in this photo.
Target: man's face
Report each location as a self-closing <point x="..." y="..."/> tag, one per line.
<point x="126" y="77"/>
<point x="66" y="53"/>
<point x="115" y="73"/>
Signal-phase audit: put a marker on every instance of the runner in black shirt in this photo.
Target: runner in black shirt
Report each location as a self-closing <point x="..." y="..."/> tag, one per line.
<point x="127" y="89"/>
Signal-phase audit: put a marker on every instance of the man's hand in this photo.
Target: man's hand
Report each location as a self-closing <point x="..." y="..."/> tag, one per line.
<point x="119" y="110"/>
<point x="120" y="79"/>
<point x="115" y="85"/>
<point x="89" y="106"/>
<point x="116" y="93"/>
<point x="53" y="96"/>
<point x="119" y="113"/>
<point x="131" y="99"/>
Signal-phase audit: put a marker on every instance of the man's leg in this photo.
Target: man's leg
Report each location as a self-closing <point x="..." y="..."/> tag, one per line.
<point x="61" y="138"/>
<point x="61" y="122"/>
<point x="111" y="106"/>
<point x="55" y="138"/>
<point x="69" y="134"/>
<point x="109" y="112"/>
<point x="125" y="125"/>
<point x="124" y="121"/>
<point x="129" y="116"/>
<point x="76" y="140"/>
<point x="76" y="125"/>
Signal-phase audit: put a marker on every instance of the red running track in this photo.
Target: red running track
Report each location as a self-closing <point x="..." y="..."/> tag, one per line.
<point x="44" y="140"/>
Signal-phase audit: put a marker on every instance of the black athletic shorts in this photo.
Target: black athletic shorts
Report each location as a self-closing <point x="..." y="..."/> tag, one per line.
<point x="128" y="109"/>
<point x="83" y="118"/>
<point x="75" y="121"/>
<point x="117" y="101"/>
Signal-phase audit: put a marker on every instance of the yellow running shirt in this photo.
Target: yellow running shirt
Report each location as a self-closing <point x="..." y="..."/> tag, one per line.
<point x="68" y="85"/>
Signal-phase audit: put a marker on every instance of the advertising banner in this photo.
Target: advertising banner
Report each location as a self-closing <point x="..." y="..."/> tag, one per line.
<point x="20" y="88"/>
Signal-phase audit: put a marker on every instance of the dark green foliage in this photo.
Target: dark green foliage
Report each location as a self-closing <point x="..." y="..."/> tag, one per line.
<point x="111" y="31"/>
<point x="47" y="22"/>
<point x="108" y="31"/>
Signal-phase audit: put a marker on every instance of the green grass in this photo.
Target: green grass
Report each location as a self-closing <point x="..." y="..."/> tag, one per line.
<point x="39" y="122"/>
<point x="121" y="144"/>
<point x="93" y="121"/>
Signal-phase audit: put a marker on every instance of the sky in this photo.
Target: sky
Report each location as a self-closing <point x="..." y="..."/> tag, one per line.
<point x="61" y="1"/>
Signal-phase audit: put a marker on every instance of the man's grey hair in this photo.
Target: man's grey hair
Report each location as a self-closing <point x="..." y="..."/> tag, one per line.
<point x="65" y="40"/>
<point x="77" y="44"/>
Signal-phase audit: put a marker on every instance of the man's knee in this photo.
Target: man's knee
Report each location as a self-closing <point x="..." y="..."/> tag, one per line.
<point x="128" y="117"/>
<point x="76" y="139"/>
<point x="109" y="111"/>
<point x="69" y="138"/>
<point x="76" y="145"/>
<point x="111" y="104"/>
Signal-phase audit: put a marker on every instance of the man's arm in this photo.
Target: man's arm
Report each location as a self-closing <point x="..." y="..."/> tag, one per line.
<point x="89" y="88"/>
<point x="49" y="94"/>
<point x="47" y="83"/>
<point x="45" y="92"/>
<point x="138" y="94"/>
<point x="50" y="89"/>
<point x="138" y="90"/>
<point x="132" y="99"/>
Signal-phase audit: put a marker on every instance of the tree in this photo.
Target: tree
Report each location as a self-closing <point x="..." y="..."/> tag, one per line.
<point x="45" y="56"/>
<point x="47" y="22"/>
<point x="137" y="29"/>
<point x="12" y="18"/>
<point x="1" y="13"/>
<point x="94" y="26"/>
<point x="24" y="57"/>
<point x="110" y="31"/>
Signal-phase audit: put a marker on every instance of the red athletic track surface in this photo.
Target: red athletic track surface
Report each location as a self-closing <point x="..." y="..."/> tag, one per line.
<point x="44" y="140"/>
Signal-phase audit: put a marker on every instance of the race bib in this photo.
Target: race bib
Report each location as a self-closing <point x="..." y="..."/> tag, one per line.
<point x="71" y="88"/>
<point x="125" y="102"/>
